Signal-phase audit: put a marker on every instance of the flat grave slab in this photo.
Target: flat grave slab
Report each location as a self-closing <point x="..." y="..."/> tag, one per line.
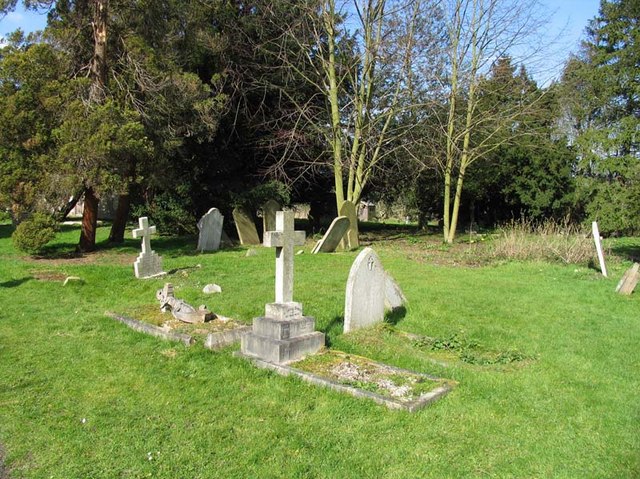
<point x="214" y="334"/>
<point x="390" y="386"/>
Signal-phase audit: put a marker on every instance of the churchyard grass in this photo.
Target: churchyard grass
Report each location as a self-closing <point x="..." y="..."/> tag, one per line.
<point x="83" y="396"/>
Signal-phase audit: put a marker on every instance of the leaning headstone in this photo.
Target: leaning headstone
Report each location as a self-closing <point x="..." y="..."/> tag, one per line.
<point x="283" y="334"/>
<point x="269" y="210"/>
<point x="350" y="240"/>
<point x="180" y="309"/>
<point x="245" y="226"/>
<point x="629" y="280"/>
<point x="210" y="226"/>
<point x="333" y="236"/>
<point x="596" y="239"/>
<point x="365" y="295"/>
<point x="393" y="295"/>
<point x="148" y="263"/>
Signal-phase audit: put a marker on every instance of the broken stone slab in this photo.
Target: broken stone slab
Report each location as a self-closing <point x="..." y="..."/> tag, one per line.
<point x="152" y="330"/>
<point x="212" y="289"/>
<point x="73" y="279"/>
<point x="331" y="239"/>
<point x="181" y="310"/>
<point x="629" y="280"/>
<point x="393" y="296"/>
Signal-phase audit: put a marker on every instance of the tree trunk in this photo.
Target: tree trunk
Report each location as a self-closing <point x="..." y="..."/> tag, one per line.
<point x="89" y="222"/>
<point x="98" y="68"/>
<point x="71" y="204"/>
<point x="120" y="221"/>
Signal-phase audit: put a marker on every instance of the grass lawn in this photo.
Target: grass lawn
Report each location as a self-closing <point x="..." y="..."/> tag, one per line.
<point x="82" y="396"/>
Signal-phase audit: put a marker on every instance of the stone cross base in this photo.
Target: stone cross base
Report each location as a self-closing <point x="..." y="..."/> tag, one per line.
<point x="148" y="265"/>
<point x="282" y="339"/>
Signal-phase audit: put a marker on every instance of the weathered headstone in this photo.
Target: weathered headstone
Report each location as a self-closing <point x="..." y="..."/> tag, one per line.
<point x="629" y="280"/>
<point x="333" y="236"/>
<point x="365" y="295"/>
<point x="269" y="210"/>
<point x="247" y="231"/>
<point x="148" y="263"/>
<point x="283" y="334"/>
<point x="210" y="226"/>
<point x="596" y="239"/>
<point x="350" y="240"/>
<point x="393" y="295"/>
<point x="180" y="309"/>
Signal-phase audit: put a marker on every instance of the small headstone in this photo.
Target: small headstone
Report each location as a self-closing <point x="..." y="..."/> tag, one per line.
<point x="245" y="226"/>
<point x="210" y="226"/>
<point x="331" y="239"/>
<point x="148" y="263"/>
<point x="629" y="280"/>
<point x="365" y="295"/>
<point x="596" y="239"/>
<point x="212" y="289"/>
<point x="350" y="240"/>
<point x="251" y="252"/>
<point x="393" y="295"/>
<point x="269" y="210"/>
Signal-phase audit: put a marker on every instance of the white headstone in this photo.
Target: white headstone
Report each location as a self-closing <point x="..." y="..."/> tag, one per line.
<point x="148" y="263"/>
<point x="284" y="238"/>
<point x="596" y="239"/>
<point x="365" y="295"/>
<point x="210" y="226"/>
<point x="333" y="236"/>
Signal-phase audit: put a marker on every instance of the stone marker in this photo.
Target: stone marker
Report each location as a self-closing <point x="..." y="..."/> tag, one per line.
<point x="393" y="295"/>
<point x="596" y="239"/>
<point x="331" y="239"/>
<point x="629" y="280"/>
<point x="283" y="334"/>
<point x="350" y="241"/>
<point x="180" y="309"/>
<point x="73" y="279"/>
<point x="148" y="264"/>
<point x="269" y="210"/>
<point x="245" y="226"/>
<point x="211" y="289"/>
<point x="365" y="295"/>
<point x="210" y="226"/>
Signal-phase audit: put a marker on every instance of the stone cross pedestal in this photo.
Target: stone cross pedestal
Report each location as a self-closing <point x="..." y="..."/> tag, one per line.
<point x="148" y="263"/>
<point x="283" y="334"/>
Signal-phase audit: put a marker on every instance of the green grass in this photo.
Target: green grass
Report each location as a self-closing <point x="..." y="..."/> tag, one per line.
<point x="82" y="396"/>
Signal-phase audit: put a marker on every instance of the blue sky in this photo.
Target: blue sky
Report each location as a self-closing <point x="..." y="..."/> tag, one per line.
<point x="568" y="21"/>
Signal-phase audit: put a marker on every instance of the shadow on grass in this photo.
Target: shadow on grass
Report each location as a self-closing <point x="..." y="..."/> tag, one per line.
<point x="630" y="252"/>
<point x="333" y="330"/>
<point x="15" y="282"/>
<point x="6" y="231"/>
<point x="394" y="316"/>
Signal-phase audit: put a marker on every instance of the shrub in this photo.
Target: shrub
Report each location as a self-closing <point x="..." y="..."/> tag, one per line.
<point x="546" y="241"/>
<point x="32" y="234"/>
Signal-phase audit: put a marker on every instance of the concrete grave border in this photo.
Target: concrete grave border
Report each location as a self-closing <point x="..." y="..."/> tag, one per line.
<point x="213" y="341"/>
<point x="410" y="406"/>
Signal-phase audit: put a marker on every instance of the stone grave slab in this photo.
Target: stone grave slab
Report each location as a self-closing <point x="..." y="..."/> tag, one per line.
<point x="393" y="295"/>
<point x="334" y="235"/>
<point x="245" y="226"/>
<point x="598" y="242"/>
<point x="284" y="334"/>
<point x="210" y="226"/>
<point x="365" y="294"/>
<point x="269" y="210"/>
<point x="350" y="240"/>
<point x="629" y="280"/>
<point x="148" y="264"/>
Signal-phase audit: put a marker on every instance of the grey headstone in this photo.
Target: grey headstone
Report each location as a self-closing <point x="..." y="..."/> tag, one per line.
<point x="247" y="231"/>
<point x="393" y="295"/>
<point x="210" y="226"/>
<point x="211" y="289"/>
<point x="148" y="263"/>
<point x="269" y="210"/>
<point x="365" y="295"/>
<point x="350" y="241"/>
<point x="629" y="280"/>
<point x="331" y="239"/>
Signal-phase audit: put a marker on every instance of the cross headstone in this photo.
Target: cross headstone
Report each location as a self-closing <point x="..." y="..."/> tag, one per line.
<point x="283" y="334"/>
<point x="284" y="238"/>
<point x="596" y="239"/>
<point x="148" y="263"/>
<point x="210" y="226"/>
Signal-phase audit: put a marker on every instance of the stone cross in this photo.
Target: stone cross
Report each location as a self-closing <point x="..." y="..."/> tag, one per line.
<point x="284" y="238"/>
<point x="145" y="231"/>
